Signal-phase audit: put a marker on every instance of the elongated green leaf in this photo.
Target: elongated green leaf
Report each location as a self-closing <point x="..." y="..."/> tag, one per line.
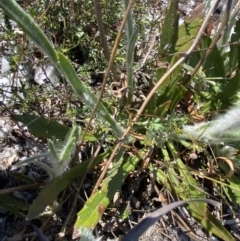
<point x="214" y="226"/>
<point x="52" y="190"/>
<point x="130" y="27"/>
<point x="188" y="187"/>
<point x="162" y="109"/>
<point x="169" y="34"/>
<point x="188" y="30"/>
<point x="233" y="190"/>
<point x="173" y="93"/>
<point x="234" y="49"/>
<point x="214" y="64"/>
<point x="131" y="40"/>
<point x="44" y="128"/>
<point x="13" y="206"/>
<point x="95" y="206"/>
<point x="130" y="59"/>
<point x="22" y="177"/>
<point x="224" y="39"/>
<point x="99" y="199"/>
<point x="41" y="127"/>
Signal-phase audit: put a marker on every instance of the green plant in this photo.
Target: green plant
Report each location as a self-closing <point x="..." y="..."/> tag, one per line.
<point x="137" y="129"/>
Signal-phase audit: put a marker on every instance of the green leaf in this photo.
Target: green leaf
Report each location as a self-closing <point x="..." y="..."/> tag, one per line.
<point x="214" y="226"/>
<point x="44" y="128"/>
<point x="232" y="190"/>
<point x="188" y="30"/>
<point x="93" y="210"/>
<point x="189" y="188"/>
<point x="130" y="59"/>
<point x="214" y="64"/>
<point x="173" y="93"/>
<point x="162" y="109"/>
<point x="234" y="58"/>
<point x="131" y="40"/>
<point x="89" y="137"/>
<point x="224" y="39"/>
<point x="24" y="178"/>
<point x="13" y="206"/>
<point x="41" y="127"/>
<point x="52" y="190"/>
<point x="169" y="34"/>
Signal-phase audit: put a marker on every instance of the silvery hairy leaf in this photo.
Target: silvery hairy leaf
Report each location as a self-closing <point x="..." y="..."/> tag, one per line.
<point x="226" y="128"/>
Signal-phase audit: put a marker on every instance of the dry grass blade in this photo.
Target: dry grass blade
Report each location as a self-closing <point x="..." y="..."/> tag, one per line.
<point x="103" y="36"/>
<point x="110" y="64"/>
